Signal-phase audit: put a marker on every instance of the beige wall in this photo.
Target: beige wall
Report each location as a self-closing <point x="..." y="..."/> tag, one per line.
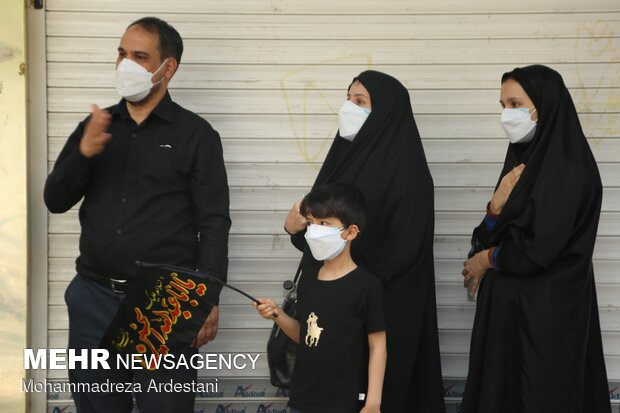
<point x="13" y="212"/>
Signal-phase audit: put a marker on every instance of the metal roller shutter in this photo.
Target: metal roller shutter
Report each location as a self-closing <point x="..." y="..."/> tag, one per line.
<point x="270" y="75"/>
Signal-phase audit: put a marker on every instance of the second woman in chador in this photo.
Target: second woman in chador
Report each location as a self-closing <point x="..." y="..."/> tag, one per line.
<point x="378" y="149"/>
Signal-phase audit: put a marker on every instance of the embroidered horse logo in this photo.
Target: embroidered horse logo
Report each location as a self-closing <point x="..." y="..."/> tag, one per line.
<point x="314" y="331"/>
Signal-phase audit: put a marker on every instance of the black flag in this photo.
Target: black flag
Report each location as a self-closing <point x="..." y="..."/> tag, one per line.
<point x="163" y="310"/>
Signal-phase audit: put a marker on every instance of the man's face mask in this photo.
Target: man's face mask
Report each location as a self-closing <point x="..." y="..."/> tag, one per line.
<point x="133" y="82"/>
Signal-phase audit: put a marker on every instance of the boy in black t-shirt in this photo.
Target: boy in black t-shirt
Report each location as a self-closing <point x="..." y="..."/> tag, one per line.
<point x="340" y="327"/>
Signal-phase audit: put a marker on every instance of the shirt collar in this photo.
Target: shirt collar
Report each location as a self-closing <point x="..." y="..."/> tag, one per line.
<point x="164" y="109"/>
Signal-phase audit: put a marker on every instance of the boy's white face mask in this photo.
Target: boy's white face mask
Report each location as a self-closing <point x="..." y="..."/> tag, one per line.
<point x="133" y="82"/>
<point x="325" y="242"/>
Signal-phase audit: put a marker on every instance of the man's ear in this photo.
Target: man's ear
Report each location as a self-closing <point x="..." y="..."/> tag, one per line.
<point x="351" y="232"/>
<point x="170" y="68"/>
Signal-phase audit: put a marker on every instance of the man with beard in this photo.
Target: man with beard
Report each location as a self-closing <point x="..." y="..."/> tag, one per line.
<point x="153" y="186"/>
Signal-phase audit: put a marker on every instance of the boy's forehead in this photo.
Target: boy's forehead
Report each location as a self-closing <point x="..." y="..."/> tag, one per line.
<point x="313" y="218"/>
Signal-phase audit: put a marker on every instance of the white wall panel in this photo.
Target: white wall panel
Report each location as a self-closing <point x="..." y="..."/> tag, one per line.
<point x="233" y="51"/>
<point x="270" y="76"/>
<point x="259" y="269"/>
<point x="268" y="222"/>
<point x="437" y="151"/>
<point x="309" y="126"/>
<point x="330" y="7"/>
<point x="376" y="27"/>
<point x="295" y="102"/>
<point x="277" y="246"/>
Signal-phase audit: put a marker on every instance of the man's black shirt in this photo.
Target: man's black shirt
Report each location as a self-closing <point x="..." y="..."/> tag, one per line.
<point x="157" y="193"/>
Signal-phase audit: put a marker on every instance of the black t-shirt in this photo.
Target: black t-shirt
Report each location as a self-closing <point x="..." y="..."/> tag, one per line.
<point x="335" y="317"/>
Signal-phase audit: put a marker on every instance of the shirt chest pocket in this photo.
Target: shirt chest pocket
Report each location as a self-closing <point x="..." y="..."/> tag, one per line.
<point x="155" y="160"/>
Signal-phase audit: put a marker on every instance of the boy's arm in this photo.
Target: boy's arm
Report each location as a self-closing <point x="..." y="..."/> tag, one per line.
<point x="376" y="370"/>
<point x="269" y="310"/>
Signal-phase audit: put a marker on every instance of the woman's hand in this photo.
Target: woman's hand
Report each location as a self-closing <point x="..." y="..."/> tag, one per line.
<point x="294" y="221"/>
<point x="504" y="189"/>
<point x="475" y="268"/>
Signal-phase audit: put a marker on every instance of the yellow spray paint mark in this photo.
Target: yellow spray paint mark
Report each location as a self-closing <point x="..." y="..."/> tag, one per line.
<point x="598" y="42"/>
<point x="309" y="76"/>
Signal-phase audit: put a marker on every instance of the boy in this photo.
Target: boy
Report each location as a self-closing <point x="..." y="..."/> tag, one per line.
<point x="340" y="327"/>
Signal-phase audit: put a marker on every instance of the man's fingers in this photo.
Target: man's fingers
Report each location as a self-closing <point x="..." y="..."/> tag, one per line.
<point x="101" y="137"/>
<point x="100" y="117"/>
<point x="204" y="336"/>
<point x="206" y="333"/>
<point x="211" y="332"/>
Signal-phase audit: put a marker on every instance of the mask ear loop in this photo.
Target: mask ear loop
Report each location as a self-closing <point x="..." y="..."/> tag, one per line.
<point x="158" y="69"/>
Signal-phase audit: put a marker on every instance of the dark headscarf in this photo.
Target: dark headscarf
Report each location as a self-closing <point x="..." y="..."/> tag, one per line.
<point x="560" y="176"/>
<point x="387" y="162"/>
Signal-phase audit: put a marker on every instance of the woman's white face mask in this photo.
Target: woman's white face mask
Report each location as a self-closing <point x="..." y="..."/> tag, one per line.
<point x="351" y="117"/>
<point x="518" y="124"/>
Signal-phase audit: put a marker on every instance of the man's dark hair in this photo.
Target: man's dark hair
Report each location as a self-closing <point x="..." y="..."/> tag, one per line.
<point x="341" y="201"/>
<point x="170" y="42"/>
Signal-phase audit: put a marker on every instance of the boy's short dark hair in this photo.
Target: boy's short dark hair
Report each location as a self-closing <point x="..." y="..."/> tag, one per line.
<point x="170" y="42"/>
<point x="342" y="201"/>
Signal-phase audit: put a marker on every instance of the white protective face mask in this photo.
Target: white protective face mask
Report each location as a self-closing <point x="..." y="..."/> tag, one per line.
<point x="351" y="117"/>
<point x="518" y="124"/>
<point x="133" y="82"/>
<point x="325" y="242"/>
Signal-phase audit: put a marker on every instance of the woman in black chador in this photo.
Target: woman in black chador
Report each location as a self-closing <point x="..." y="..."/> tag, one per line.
<point x="536" y="342"/>
<point x="378" y="149"/>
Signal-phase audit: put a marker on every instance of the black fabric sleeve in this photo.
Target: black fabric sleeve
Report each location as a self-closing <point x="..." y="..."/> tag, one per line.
<point x="511" y="260"/>
<point x="375" y="317"/>
<point x="483" y="235"/>
<point x="298" y="240"/>
<point x="407" y="239"/>
<point x="66" y="183"/>
<point x="209" y="188"/>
